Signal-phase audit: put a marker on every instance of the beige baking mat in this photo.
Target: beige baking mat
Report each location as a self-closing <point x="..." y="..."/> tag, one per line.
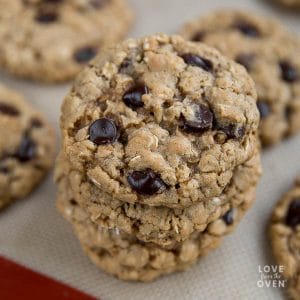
<point x="32" y="232"/>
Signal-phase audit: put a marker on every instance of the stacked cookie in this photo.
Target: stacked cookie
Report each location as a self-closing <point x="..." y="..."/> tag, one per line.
<point x="160" y="155"/>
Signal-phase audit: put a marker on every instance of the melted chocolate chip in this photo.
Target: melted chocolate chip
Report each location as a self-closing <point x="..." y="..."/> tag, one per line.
<point x="9" y="110"/>
<point x="83" y="55"/>
<point x="245" y="60"/>
<point x="103" y="131"/>
<point x="247" y="29"/>
<point x="203" y="120"/>
<point x="228" y="218"/>
<point x="46" y="17"/>
<point x="288" y="72"/>
<point x="232" y="131"/>
<point x="197" y="61"/>
<point x="293" y="215"/>
<point x="133" y="97"/>
<point x="27" y="149"/>
<point x="146" y="182"/>
<point x="198" y="37"/>
<point x="264" y="109"/>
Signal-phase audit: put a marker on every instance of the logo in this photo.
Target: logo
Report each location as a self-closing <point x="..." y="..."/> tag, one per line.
<point x="271" y="276"/>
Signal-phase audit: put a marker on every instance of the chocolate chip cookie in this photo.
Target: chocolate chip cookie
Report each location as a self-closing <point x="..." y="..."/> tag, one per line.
<point x="285" y="238"/>
<point x="270" y="54"/>
<point x="27" y="147"/>
<point x="51" y="41"/>
<point x="160" y="121"/>
<point x="128" y="258"/>
<point x="160" y="225"/>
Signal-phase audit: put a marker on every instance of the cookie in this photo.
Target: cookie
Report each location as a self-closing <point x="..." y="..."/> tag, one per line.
<point x="51" y="41"/>
<point x="285" y="238"/>
<point x="27" y="147"/>
<point x="160" y="121"/>
<point x="128" y="258"/>
<point x="270" y="54"/>
<point x="160" y="225"/>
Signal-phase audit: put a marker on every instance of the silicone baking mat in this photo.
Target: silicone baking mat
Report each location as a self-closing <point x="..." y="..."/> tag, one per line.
<point x="34" y="234"/>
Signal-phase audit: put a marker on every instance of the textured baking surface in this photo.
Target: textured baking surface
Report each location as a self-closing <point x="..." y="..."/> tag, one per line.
<point x="33" y="233"/>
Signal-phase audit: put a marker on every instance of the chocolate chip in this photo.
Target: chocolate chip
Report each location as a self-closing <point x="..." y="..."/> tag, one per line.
<point x="133" y="97"/>
<point x="37" y="123"/>
<point x="103" y="131"/>
<point x="27" y="149"/>
<point x="9" y="110"/>
<point x="197" y="61"/>
<point x="4" y="170"/>
<point x="245" y="60"/>
<point x="146" y="182"/>
<point x="247" y="29"/>
<point x="288" y="72"/>
<point x="198" y="36"/>
<point x="202" y="121"/>
<point x="232" y="131"/>
<point x="46" y="16"/>
<point x="293" y="215"/>
<point x="228" y="218"/>
<point x="264" y="109"/>
<point x="83" y="55"/>
<point x="73" y="202"/>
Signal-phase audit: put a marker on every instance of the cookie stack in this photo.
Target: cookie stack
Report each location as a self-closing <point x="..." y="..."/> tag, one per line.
<point x="160" y="155"/>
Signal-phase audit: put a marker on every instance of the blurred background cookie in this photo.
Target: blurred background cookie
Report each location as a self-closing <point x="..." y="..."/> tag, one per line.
<point x="27" y="147"/>
<point x="285" y="238"/>
<point x="50" y="41"/>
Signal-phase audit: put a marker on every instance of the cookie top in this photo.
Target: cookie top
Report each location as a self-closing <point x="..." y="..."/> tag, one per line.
<point x="285" y="238"/>
<point x="51" y="40"/>
<point x="128" y="258"/>
<point x="27" y="146"/>
<point x="161" y="225"/>
<point x="160" y="121"/>
<point x="269" y="53"/>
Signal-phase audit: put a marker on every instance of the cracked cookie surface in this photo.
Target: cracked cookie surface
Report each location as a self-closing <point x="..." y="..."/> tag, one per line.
<point x="270" y="54"/>
<point x="128" y="258"/>
<point x="285" y="238"/>
<point x="161" y="225"/>
<point x="51" y="41"/>
<point x="160" y="121"/>
<point x="27" y="147"/>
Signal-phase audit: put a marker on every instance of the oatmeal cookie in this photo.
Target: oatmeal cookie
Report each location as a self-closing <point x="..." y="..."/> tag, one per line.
<point x="27" y="147"/>
<point x="160" y="121"/>
<point x="285" y="238"/>
<point x="50" y="41"/>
